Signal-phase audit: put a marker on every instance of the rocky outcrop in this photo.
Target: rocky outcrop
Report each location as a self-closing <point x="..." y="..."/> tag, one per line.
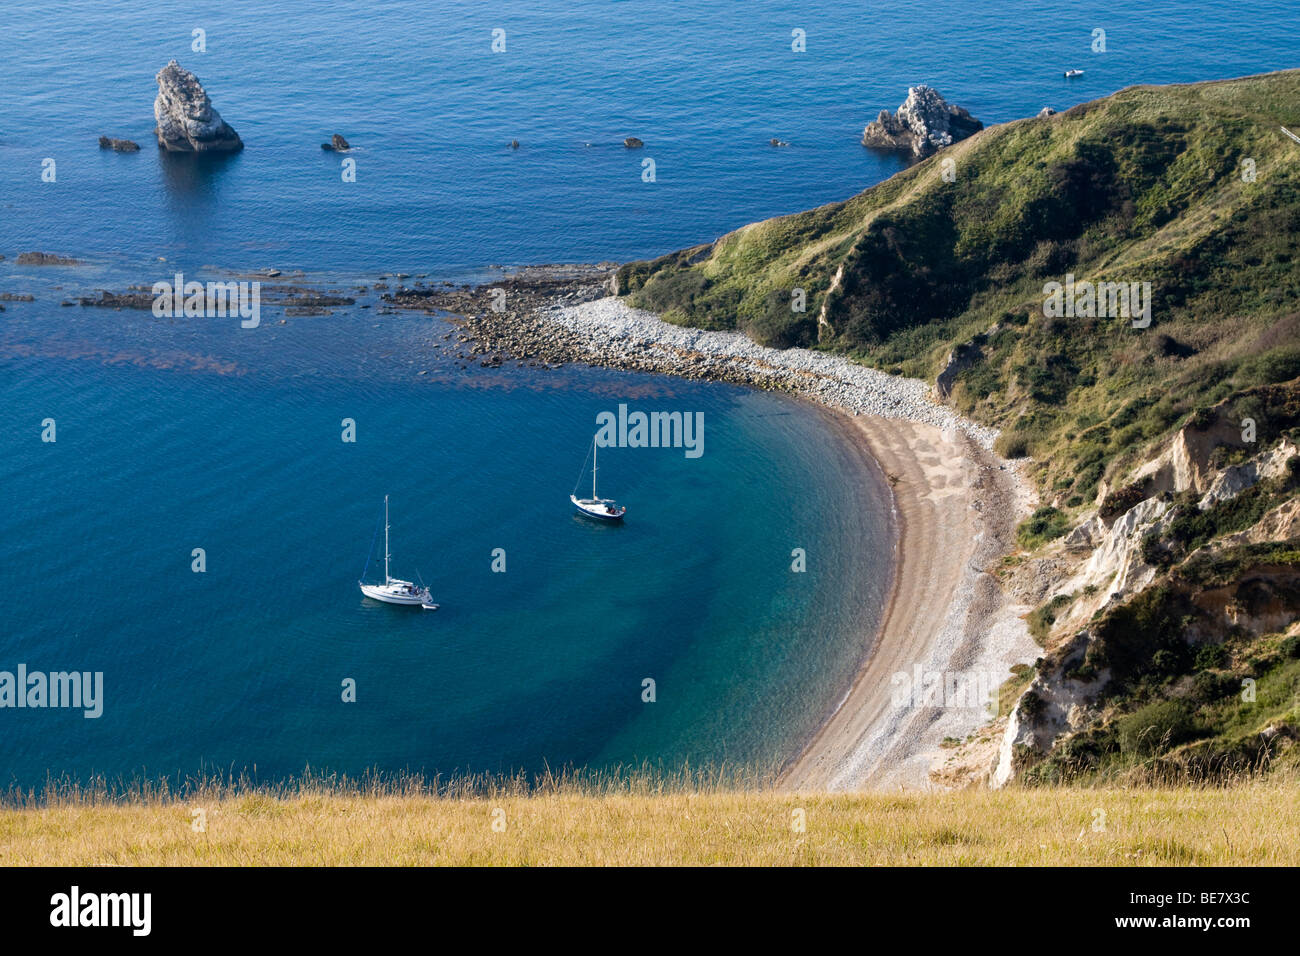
<point x="960" y="358"/>
<point x="1233" y="480"/>
<point x="337" y="144"/>
<point x="45" y="259"/>
<point x="118" y="145"/>
<point x="1052" y="705"/>
<point x="1184" y="465"/>
<point x="187" y="123"/>
<point x="924" y="124"/>
<point x="633" y="143"/>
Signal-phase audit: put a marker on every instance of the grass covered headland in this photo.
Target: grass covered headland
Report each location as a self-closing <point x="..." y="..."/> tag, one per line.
<point x="1193" y="189"/>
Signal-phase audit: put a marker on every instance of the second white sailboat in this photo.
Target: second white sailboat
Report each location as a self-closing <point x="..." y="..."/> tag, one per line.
<point x="602" y="509"/>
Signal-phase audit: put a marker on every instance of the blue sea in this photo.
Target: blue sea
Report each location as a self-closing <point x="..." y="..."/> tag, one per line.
<point x="181" y="434"/>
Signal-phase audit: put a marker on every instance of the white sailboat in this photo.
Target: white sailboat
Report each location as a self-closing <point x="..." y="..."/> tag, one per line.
<point x="395" y="590"/>
<point x="603" y="509"/>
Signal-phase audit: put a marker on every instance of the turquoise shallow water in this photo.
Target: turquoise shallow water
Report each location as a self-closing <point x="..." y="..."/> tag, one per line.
<point x="181" y="434"/>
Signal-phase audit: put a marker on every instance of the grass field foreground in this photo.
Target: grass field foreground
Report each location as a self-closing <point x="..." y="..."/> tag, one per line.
<point x="1256" y="823"/>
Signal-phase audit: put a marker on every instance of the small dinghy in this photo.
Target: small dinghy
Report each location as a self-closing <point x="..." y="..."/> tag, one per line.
<point x="394" y="590"/>
<point x="601" y="509"/>
<point x="1071" y="74"/>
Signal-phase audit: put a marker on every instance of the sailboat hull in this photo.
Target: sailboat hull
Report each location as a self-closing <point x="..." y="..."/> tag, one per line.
<point x="596" y="508"/>
<point x="394" y="594"/>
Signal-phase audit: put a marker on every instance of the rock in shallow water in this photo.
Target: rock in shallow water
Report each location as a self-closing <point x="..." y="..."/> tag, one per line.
<point x="118" y="145"/>
<point x="923" y="125"/>
<point x="45" y="259"/>
<point x="337" y="144"/>
<point x="187" y="123"/>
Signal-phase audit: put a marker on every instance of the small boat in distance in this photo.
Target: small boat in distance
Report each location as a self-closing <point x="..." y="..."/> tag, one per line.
<point x="602" y="509"/>
<point x="1071" y="74"/>
<point x="394" y="590"/>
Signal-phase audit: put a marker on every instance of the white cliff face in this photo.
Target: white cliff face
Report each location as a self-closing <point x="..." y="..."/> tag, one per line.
<point x="187" y="123"/>
<point x="1005" y="768"/>
<point x="1110" y="564"/>
<point x="1117" y="558"/>
<point x="1062" y="704"/>
<point x="1185" y="464"/>
<point x="1233" y="481"/>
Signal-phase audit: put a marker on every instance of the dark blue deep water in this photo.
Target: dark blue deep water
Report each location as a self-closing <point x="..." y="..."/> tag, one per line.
<point x="173" y="435"/>
<point x="416" y="88"/>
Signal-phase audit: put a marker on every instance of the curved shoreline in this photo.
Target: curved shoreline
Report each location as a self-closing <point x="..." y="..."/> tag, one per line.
<point x="955" y="507"/>
<point x="954" y="513"/>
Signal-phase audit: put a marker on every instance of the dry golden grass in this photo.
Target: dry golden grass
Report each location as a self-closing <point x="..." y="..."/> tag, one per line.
<point x="1249" y="824"/>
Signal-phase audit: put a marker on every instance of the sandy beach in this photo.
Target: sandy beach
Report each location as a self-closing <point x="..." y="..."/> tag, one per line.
<point x="956" y="506"/>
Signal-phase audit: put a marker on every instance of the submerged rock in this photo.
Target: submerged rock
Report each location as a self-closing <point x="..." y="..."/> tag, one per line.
<point x="187" y="123"/>
<point x="337" y="144"/>
<point x="118" y="145"/>
<point x="45" y="259"/>
<point x="923" y="125"/>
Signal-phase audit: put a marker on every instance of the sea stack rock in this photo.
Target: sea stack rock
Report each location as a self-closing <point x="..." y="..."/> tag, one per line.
<point x="187" y="123"/>
<point x="118" y="145"/>
<point x="924" y="124"/>
<point x="337" y="144"/>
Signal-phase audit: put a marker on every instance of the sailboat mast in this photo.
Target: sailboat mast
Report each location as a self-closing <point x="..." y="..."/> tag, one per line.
<point x="593" y="469"/>
<point x="386" y="577"/>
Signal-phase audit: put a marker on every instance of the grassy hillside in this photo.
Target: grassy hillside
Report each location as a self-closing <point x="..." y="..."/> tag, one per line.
<point x="1253" y="824"/>
<point x="1144" y="186"/>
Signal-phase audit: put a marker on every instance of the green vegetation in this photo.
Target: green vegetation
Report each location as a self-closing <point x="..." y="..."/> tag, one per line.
<point x="1219" y="726"/>
<point x="1143" y="186"/>
<point x="1187" y="698"/>
<point x="1193" y="527"/>
<point x="1045" y="524"/>
<point x="1041" y="619"/>
<point x="1013" y="687"/>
